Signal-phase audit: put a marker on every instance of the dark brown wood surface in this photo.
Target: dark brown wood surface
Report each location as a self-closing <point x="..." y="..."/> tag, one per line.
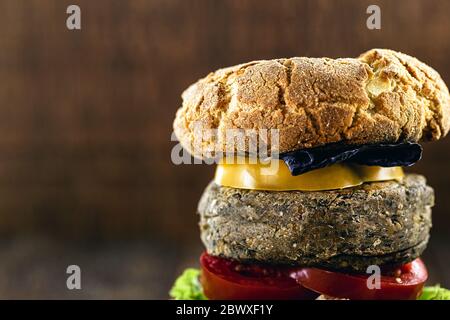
<point x="86" y="116"/>
<point x="35" y="268"/>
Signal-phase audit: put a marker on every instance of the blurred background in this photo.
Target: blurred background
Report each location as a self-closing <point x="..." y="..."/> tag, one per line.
<point x="86" y="118"/>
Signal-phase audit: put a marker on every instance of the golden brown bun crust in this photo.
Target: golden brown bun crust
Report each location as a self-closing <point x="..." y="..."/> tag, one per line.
<point x="382" y="96"/>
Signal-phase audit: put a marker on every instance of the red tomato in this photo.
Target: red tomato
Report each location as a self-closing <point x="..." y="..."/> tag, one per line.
<point x="403" y="283"/>
<point x="224" y="279"/>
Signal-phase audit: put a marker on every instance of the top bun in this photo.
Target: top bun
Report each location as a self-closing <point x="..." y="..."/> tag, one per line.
<point x="381" y="96"/>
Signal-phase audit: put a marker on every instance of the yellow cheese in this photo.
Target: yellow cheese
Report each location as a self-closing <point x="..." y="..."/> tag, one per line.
<point x="338" y="176"/>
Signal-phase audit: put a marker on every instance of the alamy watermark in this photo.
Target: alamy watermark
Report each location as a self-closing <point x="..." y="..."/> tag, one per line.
<point x="373" y="22"/>
<point x="73" y="21"/>
<point x="230" y="146"/>
<point x="73" y="281"/>
<point x="374" y="280"/>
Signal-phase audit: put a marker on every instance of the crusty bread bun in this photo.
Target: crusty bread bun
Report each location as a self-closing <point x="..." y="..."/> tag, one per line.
<point x="381" y="96"/>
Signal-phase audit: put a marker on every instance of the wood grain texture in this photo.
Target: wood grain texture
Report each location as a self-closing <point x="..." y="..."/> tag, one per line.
<point x="86" y="116"/>
<point x="34" y="268"/>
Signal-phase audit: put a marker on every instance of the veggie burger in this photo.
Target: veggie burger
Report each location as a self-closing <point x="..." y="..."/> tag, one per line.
<point x="336" y="216"/>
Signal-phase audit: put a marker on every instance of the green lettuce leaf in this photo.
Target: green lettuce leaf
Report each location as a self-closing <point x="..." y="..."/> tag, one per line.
<point x="187" y="286"/>
<point x="435" y="293"/>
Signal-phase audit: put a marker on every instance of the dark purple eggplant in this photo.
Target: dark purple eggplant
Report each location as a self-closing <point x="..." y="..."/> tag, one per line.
<point x="384" y="155"/>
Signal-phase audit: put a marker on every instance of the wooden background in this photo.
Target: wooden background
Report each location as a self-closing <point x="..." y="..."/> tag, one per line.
<point x="86" y="116"/>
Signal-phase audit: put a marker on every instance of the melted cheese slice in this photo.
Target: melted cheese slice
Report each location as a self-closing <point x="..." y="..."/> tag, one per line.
<point x="278" y="177"/>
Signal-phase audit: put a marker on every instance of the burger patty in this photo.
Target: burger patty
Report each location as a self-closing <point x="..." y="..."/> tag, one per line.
<point x="375" y="223"/>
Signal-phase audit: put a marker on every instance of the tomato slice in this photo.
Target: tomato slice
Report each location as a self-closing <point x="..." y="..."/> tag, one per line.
<point x="403" y="283"/>
<point x="224" y="279"/>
